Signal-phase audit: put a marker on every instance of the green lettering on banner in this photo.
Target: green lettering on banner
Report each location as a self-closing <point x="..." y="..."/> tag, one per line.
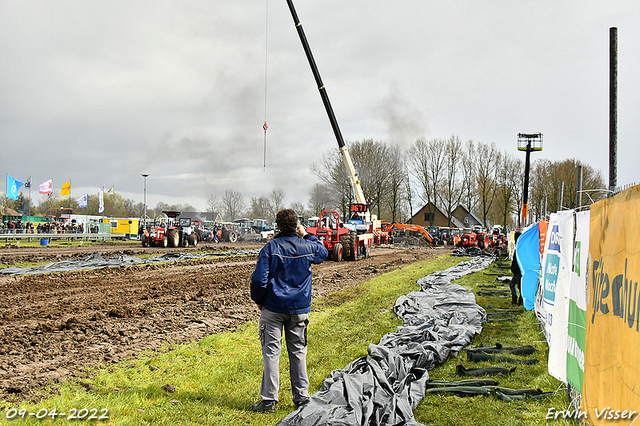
<point x="575" y="348"/>
<point x="576" y="259"/>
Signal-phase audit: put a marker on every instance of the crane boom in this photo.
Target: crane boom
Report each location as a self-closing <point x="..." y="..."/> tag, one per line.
<point x="344" y="150"/>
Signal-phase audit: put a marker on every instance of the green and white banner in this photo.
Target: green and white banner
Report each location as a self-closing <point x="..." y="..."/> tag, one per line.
<point x="578" y="303"/>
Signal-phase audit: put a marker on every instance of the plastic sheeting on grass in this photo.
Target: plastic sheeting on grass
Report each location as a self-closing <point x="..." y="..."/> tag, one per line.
<point x="385" y="387"/>
<point x="96" y="261"/>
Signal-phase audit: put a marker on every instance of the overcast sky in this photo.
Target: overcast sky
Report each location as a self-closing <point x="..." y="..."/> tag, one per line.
<point x="101" y="91"/>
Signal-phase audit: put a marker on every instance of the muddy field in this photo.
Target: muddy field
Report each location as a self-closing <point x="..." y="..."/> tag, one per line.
<point x="54" y="326"/>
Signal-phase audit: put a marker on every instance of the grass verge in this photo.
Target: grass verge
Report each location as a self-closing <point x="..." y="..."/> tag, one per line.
<point x="215" y="381"/>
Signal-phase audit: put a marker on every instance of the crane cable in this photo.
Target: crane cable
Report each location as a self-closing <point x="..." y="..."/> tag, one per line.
<point x="264" y="126"/>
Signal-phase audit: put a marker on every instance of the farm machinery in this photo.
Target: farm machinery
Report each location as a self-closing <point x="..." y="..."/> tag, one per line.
<point x="174" y="232"/>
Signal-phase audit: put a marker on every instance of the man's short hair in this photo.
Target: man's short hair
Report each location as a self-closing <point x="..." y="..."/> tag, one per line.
<point x="287" y="221"/>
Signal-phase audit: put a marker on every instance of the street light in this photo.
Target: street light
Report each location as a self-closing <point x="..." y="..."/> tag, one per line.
<point x="144" y="218"/>
<point x="528" y="142"/>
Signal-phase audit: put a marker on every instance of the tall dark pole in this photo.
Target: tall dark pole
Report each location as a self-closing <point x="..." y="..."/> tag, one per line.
<point x="613" y="108"/>
<point x="579" y="189"/>
<point x="316" y="75"/>
<point x="525" y="193"/>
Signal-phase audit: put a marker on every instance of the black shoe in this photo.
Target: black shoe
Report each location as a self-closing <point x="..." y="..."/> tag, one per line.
<point x="303" y="401"/>
<point x="264" y="406"/>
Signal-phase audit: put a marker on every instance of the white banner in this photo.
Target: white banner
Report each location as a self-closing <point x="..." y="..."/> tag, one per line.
<point x="578" y="302"/>
<point x="101" y="200"/>
<point x="82" y="201"/>
<point x="556" y="280"/>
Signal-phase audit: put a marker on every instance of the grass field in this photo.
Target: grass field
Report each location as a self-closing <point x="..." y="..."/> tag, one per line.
<point x="215" y="381"/>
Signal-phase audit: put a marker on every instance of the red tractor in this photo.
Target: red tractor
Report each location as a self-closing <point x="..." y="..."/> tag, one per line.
<point x="347" y="241"/>
<point x="170" y="233"/>
<point x="468" y="239"/>
<point x="334" y="236"/>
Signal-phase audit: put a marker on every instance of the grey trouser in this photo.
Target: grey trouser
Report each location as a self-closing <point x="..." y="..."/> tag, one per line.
<point x="295" y="331"/>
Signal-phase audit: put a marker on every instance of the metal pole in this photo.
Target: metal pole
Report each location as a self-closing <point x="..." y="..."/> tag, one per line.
<point x="560" y="196"/>
<point x="144" y="218"/>
<point x="579" y="189"/>
<point x="613" y="108"/>
<point x="525" y="195"/>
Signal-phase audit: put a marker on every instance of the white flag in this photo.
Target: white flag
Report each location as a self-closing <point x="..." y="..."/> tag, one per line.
<point x="101" y="198"/>
<point x="82" y="201"/>
<point x="46" y="187"/>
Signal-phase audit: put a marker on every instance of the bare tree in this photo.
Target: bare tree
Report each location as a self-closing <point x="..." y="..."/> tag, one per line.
<point x="488" y="161"/>
<point x="370" y="158"/>
<point x="510" y="173"/>
<point x="276" y="199"/>
<point x="469" y="194"/>
<point x="232" y="204"/>
<point x="213" y="205"/>
<point x="450" y="188"/>
<point x="261" y="208"/>
<point x="427" y="162"/>
<point x="332" y="172"/>
<point x="320" y="199"/>
<point x="298" y="207"/>
<point x="397" y="183"/>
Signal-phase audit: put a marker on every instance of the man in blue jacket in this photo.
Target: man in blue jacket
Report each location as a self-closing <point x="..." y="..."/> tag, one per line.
<point x="281" y="287"/>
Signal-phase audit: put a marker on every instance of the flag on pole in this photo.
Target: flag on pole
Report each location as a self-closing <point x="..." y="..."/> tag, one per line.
<point x="46" y="187"/>
<point x="13" y="186"/>
<point x="66" y="189"/>
<point x="111" y="191"/>
<point x="82" y="201"/>
<point x="101" y="200"/>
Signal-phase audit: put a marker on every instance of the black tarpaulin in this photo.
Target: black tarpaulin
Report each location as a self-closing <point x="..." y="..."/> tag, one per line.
<point x="96" y="261"/>
<point x="385" y="387"/>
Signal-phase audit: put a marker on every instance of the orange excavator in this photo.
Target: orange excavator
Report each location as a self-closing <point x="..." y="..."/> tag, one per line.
<point x="390" y="227"/>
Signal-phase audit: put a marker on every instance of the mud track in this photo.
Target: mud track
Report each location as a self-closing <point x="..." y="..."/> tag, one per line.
<point x="57" y="326"/>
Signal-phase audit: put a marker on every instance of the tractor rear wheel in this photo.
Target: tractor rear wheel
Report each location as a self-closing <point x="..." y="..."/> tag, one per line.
<point x="353" y="243"/>
<point x="172" y="236"/>
<point x="232" y="237"/>
<point x="145" y="243"/>
<point x="337" y="252"/>
<point x="345" y="241"/>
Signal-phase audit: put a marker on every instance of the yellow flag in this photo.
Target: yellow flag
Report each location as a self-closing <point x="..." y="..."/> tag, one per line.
<point x="66" y="189"/>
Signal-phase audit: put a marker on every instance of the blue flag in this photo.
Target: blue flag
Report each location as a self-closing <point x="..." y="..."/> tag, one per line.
<point x="13" y="185"/>
<point x="528" y="255"/>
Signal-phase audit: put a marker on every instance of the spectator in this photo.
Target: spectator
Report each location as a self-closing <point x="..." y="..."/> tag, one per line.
<point x="281" y="287"/>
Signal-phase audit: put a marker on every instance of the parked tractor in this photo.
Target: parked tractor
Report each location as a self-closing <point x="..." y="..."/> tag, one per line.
<point x="468" y="239"/>
<point x="173" y="232"/>
<point x="348" y="241"/>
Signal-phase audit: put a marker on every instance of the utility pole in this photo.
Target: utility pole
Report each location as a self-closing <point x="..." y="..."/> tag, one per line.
<point x="613" y="109"/>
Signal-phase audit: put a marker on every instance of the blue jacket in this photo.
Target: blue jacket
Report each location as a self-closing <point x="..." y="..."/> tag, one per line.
<point x="281" y="281"/>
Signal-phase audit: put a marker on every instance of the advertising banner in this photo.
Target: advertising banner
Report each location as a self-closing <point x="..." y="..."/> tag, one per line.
<point x="556" y="280"/>
<point x="612" y="355"/>
<point x="528" y="256"/>
<point x="577" y="324"/>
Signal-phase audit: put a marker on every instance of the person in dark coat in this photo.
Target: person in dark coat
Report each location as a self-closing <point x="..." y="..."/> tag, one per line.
<point x="516" y="298"/>
<point x="281" y="287"/>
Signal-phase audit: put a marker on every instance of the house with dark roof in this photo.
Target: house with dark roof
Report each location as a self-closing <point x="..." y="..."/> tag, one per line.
<point x="430" y="215"/>
<point x="464" y="216"/>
